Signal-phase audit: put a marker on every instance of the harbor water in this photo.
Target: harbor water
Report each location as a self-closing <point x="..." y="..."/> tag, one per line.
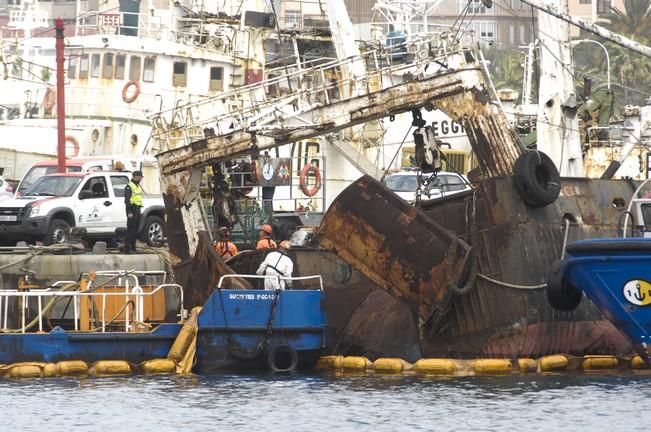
<point x="298" y="402"/>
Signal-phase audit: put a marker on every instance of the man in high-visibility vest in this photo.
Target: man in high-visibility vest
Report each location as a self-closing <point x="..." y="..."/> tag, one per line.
<point x="133" y="204"/>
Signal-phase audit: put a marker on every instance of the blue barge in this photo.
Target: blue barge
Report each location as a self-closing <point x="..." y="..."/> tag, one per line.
<point x="615" y="274"/>
<point x="236" y="329"/>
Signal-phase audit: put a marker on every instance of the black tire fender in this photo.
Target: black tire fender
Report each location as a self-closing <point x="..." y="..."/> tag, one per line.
<point x="536" y="178"/>
<point x="282" y="358"/>
<point x="561" y="294"/>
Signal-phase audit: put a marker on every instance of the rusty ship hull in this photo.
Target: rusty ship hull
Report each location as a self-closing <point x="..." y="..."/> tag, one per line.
<point x="506" y="312"/>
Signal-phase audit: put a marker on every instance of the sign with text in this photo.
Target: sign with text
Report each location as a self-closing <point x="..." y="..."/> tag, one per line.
<point x="109" y="20"/>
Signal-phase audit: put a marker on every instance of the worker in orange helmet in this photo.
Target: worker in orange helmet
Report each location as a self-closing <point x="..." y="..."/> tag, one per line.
<point x="224" y="247"/>
<point x="277" y="268"/>
<point x="264" y="238"/>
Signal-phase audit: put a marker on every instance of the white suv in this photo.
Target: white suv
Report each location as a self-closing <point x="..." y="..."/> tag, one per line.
<point x="94" y="201"/>
<point x="405" y="183"/>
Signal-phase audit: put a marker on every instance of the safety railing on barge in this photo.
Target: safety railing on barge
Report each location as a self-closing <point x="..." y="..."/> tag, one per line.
<point x="133" y="295"/>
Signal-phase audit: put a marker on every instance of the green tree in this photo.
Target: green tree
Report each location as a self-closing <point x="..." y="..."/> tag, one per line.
<point x="630" y="69"/>
<point x="505" y="67"/>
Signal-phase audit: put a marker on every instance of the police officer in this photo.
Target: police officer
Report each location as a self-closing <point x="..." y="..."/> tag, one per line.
<point x="133" y="204"/>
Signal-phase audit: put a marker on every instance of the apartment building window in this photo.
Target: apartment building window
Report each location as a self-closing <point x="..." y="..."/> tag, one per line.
<point x="120" y="65"/>
<point x="216" y="78"/>
<point x="486" y="31"/>
<point x="72" y="66"/>
<point x="134" y="68"/>
<point x="293" y="19"/>
<point x="107" y="66"/>
<point x="603" y="6"/>
<point x="94" y="65"/>
<point x="148" y="70"/>
<point x="511" y="33"/>
<point x="585" y="1"/>
<point x="180" y="74"/>
<point x="83" y="66"/>
<point x="474" y="7"/>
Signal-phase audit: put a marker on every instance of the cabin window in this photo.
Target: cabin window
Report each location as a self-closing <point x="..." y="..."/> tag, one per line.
<point x="72" y="67"/>
<point x="134" y="68"/>
<point x="180" y="74"/>
<point x="107" y="66"/>
<point x="83" y="66"/>
<point x="216" y="78"/>
<point x="94" y="65"/>
<point x="119" y="183"/>
<point x="148" y="72"/>
<point x="120" y="63"/>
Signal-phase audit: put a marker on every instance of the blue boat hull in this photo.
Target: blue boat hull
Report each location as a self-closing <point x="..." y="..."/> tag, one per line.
<point x="615" y="274"/>
<point x="237" y="329"/>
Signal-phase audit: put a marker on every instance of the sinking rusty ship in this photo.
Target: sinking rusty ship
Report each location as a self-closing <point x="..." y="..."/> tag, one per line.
<point x="463" y="276"/>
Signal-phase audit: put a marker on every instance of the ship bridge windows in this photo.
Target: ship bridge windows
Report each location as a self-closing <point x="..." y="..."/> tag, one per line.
<point x="148" y="70"/>
<point x="120" y="65"/>
<point x="94" y="65"/>
<point x="107" y="66"/>
<point x="216" y="78"/>
<point x="180" y="74"/>
<point x="134" y="68"/>
<point x="83" y="66"/>
<point x="72" y="67"/>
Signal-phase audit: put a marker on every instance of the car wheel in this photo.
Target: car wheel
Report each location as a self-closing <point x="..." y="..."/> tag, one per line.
<point x="153" y="233"/>
<point x="57" y="233"/>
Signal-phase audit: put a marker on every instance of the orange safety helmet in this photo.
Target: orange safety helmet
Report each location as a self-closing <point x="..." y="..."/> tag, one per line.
<point x="285" y="244"/>
<point x="266" y="228"/>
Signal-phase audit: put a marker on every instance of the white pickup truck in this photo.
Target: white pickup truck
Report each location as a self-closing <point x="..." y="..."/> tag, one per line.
<point x="94" y="201"/>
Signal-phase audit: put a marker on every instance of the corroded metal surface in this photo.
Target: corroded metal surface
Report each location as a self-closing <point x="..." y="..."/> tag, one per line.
<point x="493" y="142"/>
<point x="335" y="116"/>
<point x="391" y="243"/>
<point x="516" y="244"/>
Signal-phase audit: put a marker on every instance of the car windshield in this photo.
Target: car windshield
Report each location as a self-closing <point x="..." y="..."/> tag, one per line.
<point x="53" y="186"/>
<point x="37" y="172"/>
<point x="402" y="183"/>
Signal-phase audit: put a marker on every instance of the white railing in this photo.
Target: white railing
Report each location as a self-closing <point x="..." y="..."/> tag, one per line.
<point x="135" y="293"/>
<point x="276" y="278"/>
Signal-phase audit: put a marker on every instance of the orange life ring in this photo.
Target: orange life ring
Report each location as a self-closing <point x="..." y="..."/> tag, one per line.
<point x="125" y="91"/>
<point x="74" y="151"/>
<point x="303" y="179"/>
<point x="49" y="99"/>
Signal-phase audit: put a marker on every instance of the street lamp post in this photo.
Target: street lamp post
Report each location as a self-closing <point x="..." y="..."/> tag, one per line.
<point x="575" y="42"/>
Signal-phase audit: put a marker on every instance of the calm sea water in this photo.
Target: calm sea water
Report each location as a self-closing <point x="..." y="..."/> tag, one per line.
<point x="227" y="402"/>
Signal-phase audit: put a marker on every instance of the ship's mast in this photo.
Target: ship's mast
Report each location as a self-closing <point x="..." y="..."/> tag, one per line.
<point x="557" y="124"/>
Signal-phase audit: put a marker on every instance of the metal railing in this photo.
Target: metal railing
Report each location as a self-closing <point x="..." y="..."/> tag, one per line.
<point x="279" y="101"/>
<point x="266" y="277"/>
<point x="133" y="293"/>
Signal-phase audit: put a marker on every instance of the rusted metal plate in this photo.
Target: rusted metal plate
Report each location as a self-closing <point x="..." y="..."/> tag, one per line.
<point x="516" y="244"/>
<point x="395" y="245"/>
